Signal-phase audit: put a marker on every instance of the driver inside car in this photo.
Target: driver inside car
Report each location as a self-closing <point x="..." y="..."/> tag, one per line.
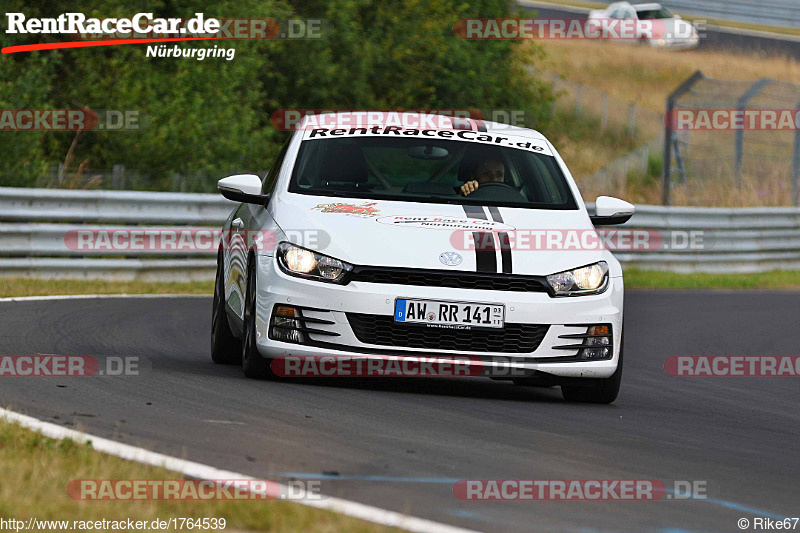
<point x="487" y="171"/>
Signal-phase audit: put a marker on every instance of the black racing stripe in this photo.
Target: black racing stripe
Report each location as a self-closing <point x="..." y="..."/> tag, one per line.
<point x="495" y="212"/>
<point x="475" y="211"/>
<point x="505" y="243"/>
<point x="485" y="258"/>
<point x="505" y="253"/>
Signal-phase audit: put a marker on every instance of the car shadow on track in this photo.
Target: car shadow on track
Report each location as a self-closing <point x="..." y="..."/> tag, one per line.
<point x="466" y="387"/>
<point x="484" y="388"/>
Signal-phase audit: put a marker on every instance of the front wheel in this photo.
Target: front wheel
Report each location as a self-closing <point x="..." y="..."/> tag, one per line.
<point x="604" y="390"/>
<point x="225" y="348"/>
<point x="253" y="364"/>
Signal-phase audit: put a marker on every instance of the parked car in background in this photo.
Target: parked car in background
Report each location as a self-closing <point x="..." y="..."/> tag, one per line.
<point x="655" y="25"/>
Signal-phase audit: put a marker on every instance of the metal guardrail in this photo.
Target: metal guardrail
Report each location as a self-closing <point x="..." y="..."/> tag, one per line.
<point x="34" y="224"/>
<point x="80" y="206"/>
<point x="769" y="12"/>
<point x="729" y="240"/>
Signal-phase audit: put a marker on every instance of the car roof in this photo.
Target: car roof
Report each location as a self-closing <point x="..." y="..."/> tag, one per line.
<point x="647" y="6"/>
<point x="366" y="118"/>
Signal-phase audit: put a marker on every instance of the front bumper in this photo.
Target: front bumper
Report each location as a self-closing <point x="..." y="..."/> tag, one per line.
<point x="676" y="44"/>
<point x="332" y="303"/>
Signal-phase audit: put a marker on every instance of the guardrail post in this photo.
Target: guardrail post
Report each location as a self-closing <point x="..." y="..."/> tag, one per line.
<point x="118" y="176"/>
<point x="669" y="134"/>
<point x="604" y="112"/>
<point x="741" y="105"/>
<point x="632" y="119"/>
<point x="578" y="103"/>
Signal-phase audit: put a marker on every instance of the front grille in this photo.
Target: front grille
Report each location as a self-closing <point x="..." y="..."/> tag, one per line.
<point x="447" y="278"/>
<point x="384" y="331"/>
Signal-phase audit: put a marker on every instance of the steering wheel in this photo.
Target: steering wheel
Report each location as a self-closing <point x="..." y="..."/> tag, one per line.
<point x="495" y="184"/>
<point x="509" y="192"/>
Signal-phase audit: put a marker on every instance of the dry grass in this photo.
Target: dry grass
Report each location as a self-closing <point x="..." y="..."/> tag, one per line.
<point x="647" y="76"/>
<point x="585" y="151"/>
<point x="36" y="470"/>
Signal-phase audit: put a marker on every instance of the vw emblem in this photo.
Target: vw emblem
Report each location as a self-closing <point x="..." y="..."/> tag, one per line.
<point x="450" y="258"/>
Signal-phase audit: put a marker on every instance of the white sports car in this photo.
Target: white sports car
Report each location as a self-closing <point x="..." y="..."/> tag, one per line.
<point x="654" y="24"/>
<point x="415" y="240"/>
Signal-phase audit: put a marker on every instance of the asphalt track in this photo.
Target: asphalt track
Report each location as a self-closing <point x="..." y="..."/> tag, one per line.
<point x="400" y="444"/>
<point x="712" y="38"/>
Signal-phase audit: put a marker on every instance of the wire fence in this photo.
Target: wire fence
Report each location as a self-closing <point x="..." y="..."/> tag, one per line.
<point x="613" y="112"/>
<point x="613" y="115"/>
<point x="734" y="143"/>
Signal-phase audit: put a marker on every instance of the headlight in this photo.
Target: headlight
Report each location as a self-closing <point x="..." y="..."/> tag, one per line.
<point x="591" y="279"/>
<point x="304" y="263"/>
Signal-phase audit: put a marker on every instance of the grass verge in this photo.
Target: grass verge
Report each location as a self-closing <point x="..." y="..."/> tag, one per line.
<point x="36" y="470"/>
<point x="10" y="287"/>
<point x="651" y="279"/>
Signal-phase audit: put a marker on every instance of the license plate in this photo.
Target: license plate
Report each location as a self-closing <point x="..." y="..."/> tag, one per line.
<point x="456" y="315"/>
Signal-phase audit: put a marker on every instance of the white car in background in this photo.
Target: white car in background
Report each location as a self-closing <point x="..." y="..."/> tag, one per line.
<point x="669" y="30"/>
<point x="391" y="276"/>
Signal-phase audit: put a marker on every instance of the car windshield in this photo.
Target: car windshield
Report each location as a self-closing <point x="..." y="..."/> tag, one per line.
<point x="421" y="170"/>
<point x="652" y="14"/>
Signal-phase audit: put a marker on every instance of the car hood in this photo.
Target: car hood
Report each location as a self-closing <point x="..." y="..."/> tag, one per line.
<point x="416" y="235"/>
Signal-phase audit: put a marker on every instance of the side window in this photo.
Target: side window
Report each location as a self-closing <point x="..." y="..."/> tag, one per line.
<point x="272" y="176"/>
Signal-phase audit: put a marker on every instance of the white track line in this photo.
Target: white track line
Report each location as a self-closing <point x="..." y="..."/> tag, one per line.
<point x="205" y="472"/>
<point x="94" y="296"/>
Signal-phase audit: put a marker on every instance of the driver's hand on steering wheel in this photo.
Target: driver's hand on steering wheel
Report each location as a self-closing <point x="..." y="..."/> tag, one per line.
<point x="469" y="187"/>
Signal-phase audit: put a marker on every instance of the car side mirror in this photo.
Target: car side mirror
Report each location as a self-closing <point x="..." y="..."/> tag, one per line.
<point x="610" y="211"/>
<point x="245" y="188"/>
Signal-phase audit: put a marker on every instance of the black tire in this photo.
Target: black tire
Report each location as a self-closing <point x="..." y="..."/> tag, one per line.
<point x="225" y="347"/>
<point x="253" y="364"/>
<point x="598" y="390"/>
